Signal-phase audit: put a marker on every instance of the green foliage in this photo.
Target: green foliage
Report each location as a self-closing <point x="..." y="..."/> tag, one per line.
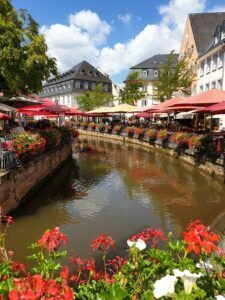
<point x="174" y="79"/>
<point x="24" y="61"/>
<point x="133" y="89"/>
<point x="93" y="99"/>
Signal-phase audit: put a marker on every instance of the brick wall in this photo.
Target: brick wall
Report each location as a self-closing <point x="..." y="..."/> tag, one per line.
<point x="19" y="184"/>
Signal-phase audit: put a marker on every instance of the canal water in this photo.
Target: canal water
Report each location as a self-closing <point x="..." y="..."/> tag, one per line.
<point x="110" y="188"/>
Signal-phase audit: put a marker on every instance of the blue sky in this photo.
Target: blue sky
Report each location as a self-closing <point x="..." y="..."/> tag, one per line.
<point x="112" y="35"/>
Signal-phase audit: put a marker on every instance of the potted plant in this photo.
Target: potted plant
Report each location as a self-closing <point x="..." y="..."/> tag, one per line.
<point x="108" y="128"/>
<point x="84" y="125"/>
<point x="100" y="127"/>
<point x="138" y="132"/>
<point x="150" y="135"/>
<point x="91" y="126"/>
<point x="129" y="131"/>
<point x="117" y="129"/>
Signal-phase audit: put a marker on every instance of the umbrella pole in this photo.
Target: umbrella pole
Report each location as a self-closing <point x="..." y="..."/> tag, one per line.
<point x="211" y="123"/>
<point x="204" y="126"/>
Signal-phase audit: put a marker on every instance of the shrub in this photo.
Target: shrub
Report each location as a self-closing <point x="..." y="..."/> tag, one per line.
<point x="28" y="145"/>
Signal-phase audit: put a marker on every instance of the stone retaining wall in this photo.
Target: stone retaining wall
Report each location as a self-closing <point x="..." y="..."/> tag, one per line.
<point x="19" y="184"/>
<point x="208" y="167"/>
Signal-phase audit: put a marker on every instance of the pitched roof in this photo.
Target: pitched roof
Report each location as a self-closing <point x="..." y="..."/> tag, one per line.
<point x="155" y="62"/>
<point x="203" y="28"/>
<point x="81" y="72"/>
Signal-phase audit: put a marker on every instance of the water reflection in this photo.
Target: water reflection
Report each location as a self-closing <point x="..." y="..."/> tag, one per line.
<point x="119" y="190"/>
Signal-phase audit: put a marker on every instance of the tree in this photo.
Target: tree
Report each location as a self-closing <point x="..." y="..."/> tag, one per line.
<point x="93" y="99"/>
<point x="171" y="79"/>
<point x="133" y="90"/>
<point x="24" y="59"/>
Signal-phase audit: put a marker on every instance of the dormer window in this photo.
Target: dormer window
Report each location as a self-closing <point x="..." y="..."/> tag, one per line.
<point x="216" y="39"/>
<point x="106" y="88"/>
<point x="77" y="84"/>
<point x="223" y="34"/>
<point x="96" y="74"/>
<point x="90" y="74"/>
<point x="156" y="73"/>
<point x="82" y="72"/>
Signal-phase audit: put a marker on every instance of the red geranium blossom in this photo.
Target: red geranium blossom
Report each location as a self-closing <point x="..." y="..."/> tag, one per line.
<point x="115" y="264"/>
<point x="35" y="287"/>
<point x="149" y="234"/>
<point x="103" y="243"/>
<point x="200" y="239"/>
<point x="52" y="239"/>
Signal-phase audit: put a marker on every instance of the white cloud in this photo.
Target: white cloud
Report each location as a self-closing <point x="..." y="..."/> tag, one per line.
<point x="86" y="35"/>
<point x="217" y="8"/>
<point x="126" y="19"/>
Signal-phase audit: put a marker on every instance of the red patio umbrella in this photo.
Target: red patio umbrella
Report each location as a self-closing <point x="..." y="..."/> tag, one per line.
<point x="4" y="117"/>
<point x="56" y="108"/>
<point x="218" y="108"/>
<point x="204" y="99"/>
<point x="144" y="115"/>
<point x="74" y="112"/>
<point x="163" y="105"/>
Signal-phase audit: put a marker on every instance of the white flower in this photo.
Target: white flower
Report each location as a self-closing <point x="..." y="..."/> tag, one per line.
<point x="140" y="244"/>
<point x="165" y="287"/>
<point x="204" y="265"/>
<point x="188" y="279"/>
<point x="220" y="297"/>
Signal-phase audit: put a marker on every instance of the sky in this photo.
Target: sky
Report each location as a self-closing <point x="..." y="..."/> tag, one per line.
<point x="112" y="35"/>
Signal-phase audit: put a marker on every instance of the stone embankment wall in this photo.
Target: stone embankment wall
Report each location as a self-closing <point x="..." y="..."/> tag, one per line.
<point x="215" y="170"/>
<point x="19" y="184"/>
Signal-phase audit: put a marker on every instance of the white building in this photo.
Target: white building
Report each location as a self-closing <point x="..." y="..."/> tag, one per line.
<point x="148" y="70"/>
<point x="211" y="64"/>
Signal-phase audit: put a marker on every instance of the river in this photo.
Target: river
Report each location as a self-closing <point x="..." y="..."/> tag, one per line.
<point x="117" y="190"/>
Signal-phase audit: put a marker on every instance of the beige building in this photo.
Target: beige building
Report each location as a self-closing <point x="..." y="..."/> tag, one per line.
<point x="198" y="37"/>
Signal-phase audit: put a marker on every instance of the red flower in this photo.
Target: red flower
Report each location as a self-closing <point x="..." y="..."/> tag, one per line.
<point x="52" y="239"/>
<point x="115" y="264"/>
<point x="7" y="219"/>
<point x="150" y="234"/>
<point x="103" y="243"/>
<point x="200" y="239"/>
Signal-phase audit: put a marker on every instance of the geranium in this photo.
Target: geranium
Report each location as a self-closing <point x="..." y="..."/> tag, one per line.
<point x="179" y="137"/>
<point x="139" y="131"/>
<point x="116" y="264"/>
<point x="52" y="239"/>
<point x="103" y="242"/>
<point x="139" y="244"/>
<point x="35" y="287"/>
<point x="91" y="125"/>
<point x="84" y="124"/>
<point x="117" y="128"/>
<point x="200" y="239"/>
<point x="101" y="126"/>
<point x="129" y="130"/>
<point x="151" y="133"/>
<point x="189" y="279"/>
<point x="165" y="287"/>
<point x="149" y="234"/>
<point x="52" y="137"/>
<point x="162" y="134"/>
<point x="194" y="141"/>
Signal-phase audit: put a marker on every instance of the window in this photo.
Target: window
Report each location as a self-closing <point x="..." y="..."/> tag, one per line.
<point x="156" y="73"/>
<point x="77" y="84"/>
<point x="82" y="72"/>
<point x="106" y="88"/>
<point x="90" y="73"/>
<point x="93" y="86"/>
<point x="216" y="39"/>
<point x="145" y="88"/>
<point x="223" y="34"/>
<point x="143" y="102"/>
<point x="201" y="89"/>
<point x="208" y="66"/>
<point x="214" y="62"/>
<point x="86" y="85"/>
<point x="207" y="87"/>
<point x="220" y="59"/>
<point x="145" y="74"/>
<point x="219" y="84"/>
<point x="213" y="86"/>
<point x="64" y="86"/>
<point x="202" y="69"/>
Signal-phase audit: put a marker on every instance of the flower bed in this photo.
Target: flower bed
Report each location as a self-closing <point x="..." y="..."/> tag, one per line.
<point x="191" y="268"/>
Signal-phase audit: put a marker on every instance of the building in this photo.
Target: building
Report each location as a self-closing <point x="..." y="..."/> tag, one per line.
<point x="148" y="70"/>
<point x="197" y="38"/>
<point x="211" y="64"/>
<point x="68" y="86"/>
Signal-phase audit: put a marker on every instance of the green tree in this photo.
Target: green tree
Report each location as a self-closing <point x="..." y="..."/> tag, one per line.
<point x="174" y="78"/>
<point x="133" y="88"/>
<point x="93" y="99"/>
<point x="24" y="59"/>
